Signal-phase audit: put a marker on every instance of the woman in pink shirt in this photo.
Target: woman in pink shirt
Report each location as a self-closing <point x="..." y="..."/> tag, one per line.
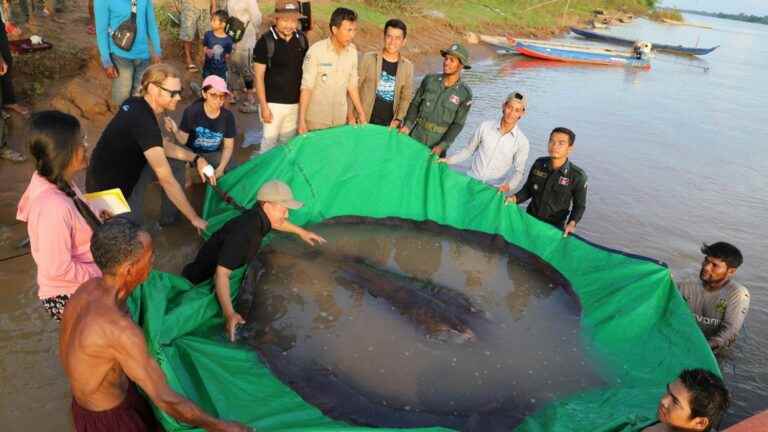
<point x="59" y="223"/>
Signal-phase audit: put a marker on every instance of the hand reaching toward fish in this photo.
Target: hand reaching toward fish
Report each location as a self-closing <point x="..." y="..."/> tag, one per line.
<point x="311" y="238"/>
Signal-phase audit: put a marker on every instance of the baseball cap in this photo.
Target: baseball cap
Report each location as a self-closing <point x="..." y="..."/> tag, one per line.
<point x="217" y="83"/>
<point x="457" y="50"/>
<point x="287" y="7"/>
<point x="277" y="192"/>
<point x="517" y="97"/>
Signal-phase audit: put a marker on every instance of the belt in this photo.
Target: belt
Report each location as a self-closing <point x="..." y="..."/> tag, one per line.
<point x="431" y="127"/>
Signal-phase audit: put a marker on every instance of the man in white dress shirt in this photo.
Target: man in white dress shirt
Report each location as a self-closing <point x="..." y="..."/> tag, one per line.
<point x="499" y="148"/>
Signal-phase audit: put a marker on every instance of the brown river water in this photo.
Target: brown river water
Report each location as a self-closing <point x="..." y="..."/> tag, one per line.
<point x="674" y="156"/>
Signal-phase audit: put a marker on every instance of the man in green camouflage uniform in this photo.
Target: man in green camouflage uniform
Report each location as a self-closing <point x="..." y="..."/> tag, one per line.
<point x="441" y="104"/>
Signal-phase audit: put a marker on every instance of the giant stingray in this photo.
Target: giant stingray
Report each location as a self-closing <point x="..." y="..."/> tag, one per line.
<point x="444" y="315"/>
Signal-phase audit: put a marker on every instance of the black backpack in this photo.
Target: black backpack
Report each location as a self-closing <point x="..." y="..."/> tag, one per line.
<point x="235" y="28"/>
<point x="270" y="38"/>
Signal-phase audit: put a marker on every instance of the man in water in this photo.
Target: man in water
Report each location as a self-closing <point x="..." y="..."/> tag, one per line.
<point x="719" y="303"/>
<point x="104" y="353"/>
<point x="239" y="240"/>
<point x="557" y="187"/>
<point x="498" y="147"/>
<point x="440" y="106"/>
<point x="695" y="401"/>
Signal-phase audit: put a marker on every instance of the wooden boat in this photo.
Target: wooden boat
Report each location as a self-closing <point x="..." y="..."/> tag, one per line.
<point x="508" y="45"/>
<point x="584" y="55"/>
<point x="685" y="23"/>
<point x="674" y="49"/>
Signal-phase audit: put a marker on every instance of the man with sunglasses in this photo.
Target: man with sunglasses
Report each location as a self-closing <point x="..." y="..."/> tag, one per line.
<point x="131" y="152"/>
<point x="499" y="148"/>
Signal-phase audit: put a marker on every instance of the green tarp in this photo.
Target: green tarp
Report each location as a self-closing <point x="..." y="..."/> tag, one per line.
<point x="639" y="328"/>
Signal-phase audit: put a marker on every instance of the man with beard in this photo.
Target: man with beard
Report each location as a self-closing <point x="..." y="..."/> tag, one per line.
<point x="719" y="303"/>
<point x="695" y="402"/>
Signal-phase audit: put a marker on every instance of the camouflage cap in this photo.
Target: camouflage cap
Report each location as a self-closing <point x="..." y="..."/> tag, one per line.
<point x="457" y="50"/>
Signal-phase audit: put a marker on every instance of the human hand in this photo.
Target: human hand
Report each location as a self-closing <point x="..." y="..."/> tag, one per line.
<point x="204" y="172"/>
<point x="266" y="114"/>
<point x="571" y="227"/>
<point x="405" y="130"/>
<point x="442" y="160"/>
<point x="510" y="200"/>
<point x="3" y="67"/>
<point x="111" y="72"/>
<point x="226" y="426"/>
<point x="503" y="188"/>
<point x="232" y="321"/>
<point x="105" y="214"/>
<point x="311" y="238"/>
<point x="351" y="119"/>
<point x="156" y="59"/>
<point x="199" y="223"/>
<point x="361" y="116"/>
<point x="170" y="125"/>
<point x="395" y="123"/>
<point x="438" y="149"/>
<point x="302" y="128"/>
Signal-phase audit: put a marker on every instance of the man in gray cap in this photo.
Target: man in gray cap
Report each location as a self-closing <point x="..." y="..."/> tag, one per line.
<point x="238" y="241"/>
<point x="440" y="106"/>
<point x="499" y="149"/>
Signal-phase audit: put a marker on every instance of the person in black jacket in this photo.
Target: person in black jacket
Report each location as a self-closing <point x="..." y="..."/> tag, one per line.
<point x="8" y="97"/>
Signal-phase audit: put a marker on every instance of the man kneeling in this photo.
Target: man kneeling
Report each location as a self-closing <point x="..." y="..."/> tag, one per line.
<point x="104" y="353"/>
<point x="695" y="401"/>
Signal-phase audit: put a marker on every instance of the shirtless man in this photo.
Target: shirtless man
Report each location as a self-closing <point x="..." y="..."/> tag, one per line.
<point x="104" y="353"/>
<point x="694" y="402"/>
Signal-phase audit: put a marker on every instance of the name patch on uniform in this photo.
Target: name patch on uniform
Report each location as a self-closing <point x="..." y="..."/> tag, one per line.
<point x="565" y="181"/>
<point x="539" y="173"/>
<point x="455" y="99"/>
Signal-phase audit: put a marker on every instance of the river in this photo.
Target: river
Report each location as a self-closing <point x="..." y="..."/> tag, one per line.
<point x="673" y="156"/>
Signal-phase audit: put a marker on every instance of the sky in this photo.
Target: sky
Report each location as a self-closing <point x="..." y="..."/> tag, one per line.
<point x="749" y="7"/>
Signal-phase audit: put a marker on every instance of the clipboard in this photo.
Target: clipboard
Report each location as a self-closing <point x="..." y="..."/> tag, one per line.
<point x="111" y="200"/>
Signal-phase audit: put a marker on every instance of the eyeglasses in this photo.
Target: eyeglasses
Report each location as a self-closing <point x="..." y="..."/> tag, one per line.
<point x="517" y="96"/>
<point x="220" y="96"/>
<point x="172" y="93"/>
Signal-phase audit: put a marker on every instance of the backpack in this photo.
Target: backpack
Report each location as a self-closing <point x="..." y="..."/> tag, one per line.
<point x="235" y="28"/>
<point x="270" y="41"/>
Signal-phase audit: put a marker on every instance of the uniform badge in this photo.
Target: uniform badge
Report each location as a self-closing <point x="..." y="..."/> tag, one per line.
<point x="455" y="99"/>
<point x="565" y="181"/>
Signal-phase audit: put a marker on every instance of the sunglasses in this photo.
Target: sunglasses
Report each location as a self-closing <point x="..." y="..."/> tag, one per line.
<point x="172" y="93"/>
<point x="517" y="96"/>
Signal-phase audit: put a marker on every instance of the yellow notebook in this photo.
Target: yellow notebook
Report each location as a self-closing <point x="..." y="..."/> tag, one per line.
<point x="111" y="200"/>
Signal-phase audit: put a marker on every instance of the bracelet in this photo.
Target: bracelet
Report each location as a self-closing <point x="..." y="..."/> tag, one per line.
<point x="193" y="162"/>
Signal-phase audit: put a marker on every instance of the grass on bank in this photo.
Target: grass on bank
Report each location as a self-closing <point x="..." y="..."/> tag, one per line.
<point x="669" y="14"/>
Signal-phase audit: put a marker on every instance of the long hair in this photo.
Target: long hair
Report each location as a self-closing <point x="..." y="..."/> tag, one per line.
<point x="54" y="139"/>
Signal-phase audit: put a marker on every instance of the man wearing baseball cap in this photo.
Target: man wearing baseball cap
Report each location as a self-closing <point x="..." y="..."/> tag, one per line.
<point x="499" y="149"/>
<point x="440" y="106"/>
<point x="239" y="240"/>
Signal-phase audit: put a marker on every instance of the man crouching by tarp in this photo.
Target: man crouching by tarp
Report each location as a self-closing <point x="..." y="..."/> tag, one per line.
<point x="104" y="353"/>
<point x="239" y="239"/>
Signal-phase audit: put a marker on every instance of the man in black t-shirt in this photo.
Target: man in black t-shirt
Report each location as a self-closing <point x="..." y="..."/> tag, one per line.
<point x="385" y="79"/>
<point x="130" y="152"/>
<point x="238" y="240"/>
<point x="277" y="70"/>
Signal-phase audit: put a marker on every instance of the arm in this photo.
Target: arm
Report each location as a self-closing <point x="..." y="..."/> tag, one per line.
<point x="579" y="200"/>
<point x="413" y="109"/>
<point x="354" y="95"/>
<point x="308" y="78"/>
<point x="259" y="71"/>
<point x="53" y="251"/>
<point x="467" y="151"/>
<point x="130" y="350"/>
<point x="308" y="236"/>
<point x="153" y="32"/>
<point x="523" y="194"/>
<point x="224" y="295"/>
<point x="405" y="94"/>
<point x="458" y="124"/>
<point x="228" y="147"/>
<point x="735" y="313"/>
<point x="101" y="16"/>
<point x="156" y="159"/>
<point x="521" y="156"/>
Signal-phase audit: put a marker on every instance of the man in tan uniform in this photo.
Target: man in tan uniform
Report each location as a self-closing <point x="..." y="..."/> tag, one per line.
<point x="719" y="303"/>
<point x="329" y="75"/>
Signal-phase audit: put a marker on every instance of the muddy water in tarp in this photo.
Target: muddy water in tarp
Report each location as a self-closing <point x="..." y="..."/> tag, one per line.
<point x="356" y="351"/>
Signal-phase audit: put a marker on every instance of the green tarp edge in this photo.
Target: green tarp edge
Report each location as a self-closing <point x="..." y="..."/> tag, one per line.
<point x="634" y="322"/>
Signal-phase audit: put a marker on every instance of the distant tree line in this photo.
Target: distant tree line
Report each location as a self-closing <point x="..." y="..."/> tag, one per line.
<point x="737" y="17"/>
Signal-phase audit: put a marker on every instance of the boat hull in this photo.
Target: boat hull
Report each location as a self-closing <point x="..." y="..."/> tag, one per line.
<point x="579" y="56"/>
<point x="674" y="49"/>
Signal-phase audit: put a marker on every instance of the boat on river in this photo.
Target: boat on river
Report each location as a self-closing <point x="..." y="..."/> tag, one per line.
<point x="674" y="49"/>
<point x="639" y="57"/>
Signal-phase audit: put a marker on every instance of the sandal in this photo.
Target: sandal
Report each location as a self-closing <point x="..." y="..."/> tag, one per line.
<point x="10" y="154"/>
<point x="192" y="68"/>
<point x="19" y="109"/>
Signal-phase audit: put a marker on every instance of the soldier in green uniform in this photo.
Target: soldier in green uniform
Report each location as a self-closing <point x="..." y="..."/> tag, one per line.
<point x="557" y="186"/>
<point x="441" y="104"/>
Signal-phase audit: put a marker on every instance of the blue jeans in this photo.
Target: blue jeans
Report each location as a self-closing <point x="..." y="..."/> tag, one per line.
<point x="128" y="79"/>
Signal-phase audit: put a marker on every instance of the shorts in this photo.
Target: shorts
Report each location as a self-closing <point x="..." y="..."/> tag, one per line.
<point x="55" y="305"/>
<point x="193" y="20"/>
<point x="133" y="414"/>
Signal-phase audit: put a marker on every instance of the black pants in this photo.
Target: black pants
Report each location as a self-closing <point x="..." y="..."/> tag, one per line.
<point x="6" y="83"/>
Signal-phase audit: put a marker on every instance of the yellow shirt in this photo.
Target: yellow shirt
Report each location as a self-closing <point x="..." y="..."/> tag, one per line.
<point x="328" y="73"/>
